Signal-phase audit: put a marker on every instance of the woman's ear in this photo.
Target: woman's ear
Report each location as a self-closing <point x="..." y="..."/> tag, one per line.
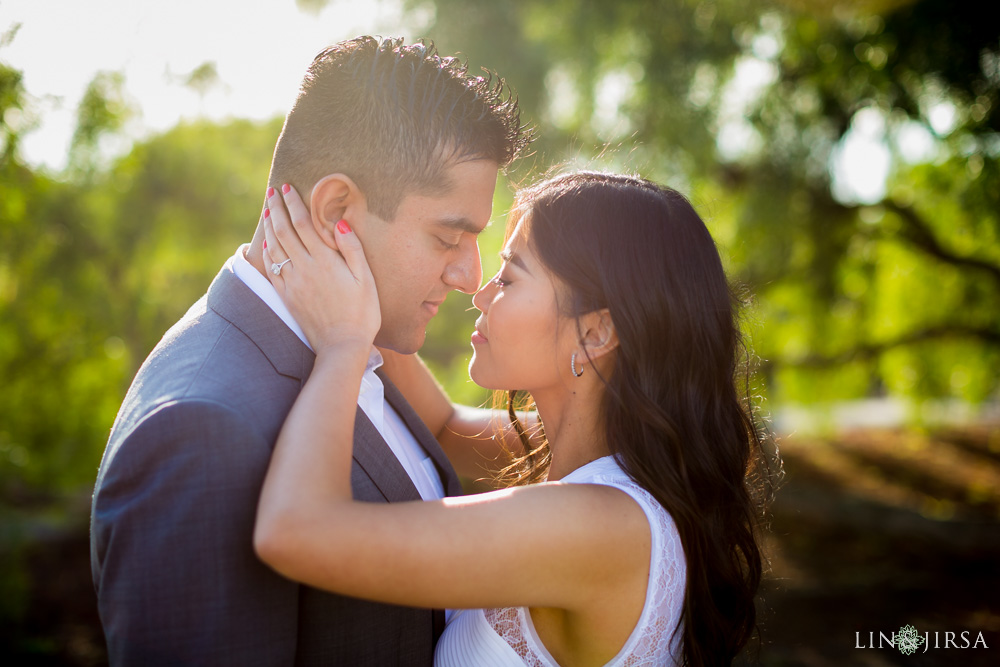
<point x="598" y="335"/>
<point x="336" y="197"/>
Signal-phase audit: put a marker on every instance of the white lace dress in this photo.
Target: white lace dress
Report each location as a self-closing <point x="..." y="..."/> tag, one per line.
<point x="507" y="638"/>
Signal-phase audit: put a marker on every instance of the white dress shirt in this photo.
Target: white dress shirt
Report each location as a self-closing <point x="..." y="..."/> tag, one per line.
<point x="415" y="461"/>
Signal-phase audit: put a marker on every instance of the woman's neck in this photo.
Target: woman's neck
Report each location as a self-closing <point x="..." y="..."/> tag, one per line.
<point x="573" y="428"/>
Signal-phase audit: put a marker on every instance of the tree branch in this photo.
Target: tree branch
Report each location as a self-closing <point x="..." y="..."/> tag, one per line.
<point x="865" y="351"/>
<point x="918" y="233"/>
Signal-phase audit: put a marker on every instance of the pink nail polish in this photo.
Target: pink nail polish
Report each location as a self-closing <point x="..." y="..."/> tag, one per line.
<point x="343" y="227"/>
<point x="265" y="244"/>
<point x="286" y="188"/>
<point x="267" y="212"/>
<point x="270" y="192"/>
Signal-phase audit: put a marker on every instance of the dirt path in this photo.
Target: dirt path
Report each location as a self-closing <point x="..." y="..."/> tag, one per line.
<point x="881" y="529"/>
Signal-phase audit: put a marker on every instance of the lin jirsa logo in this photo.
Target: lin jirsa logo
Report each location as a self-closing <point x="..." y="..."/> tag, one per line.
<point x="909" y="641"/>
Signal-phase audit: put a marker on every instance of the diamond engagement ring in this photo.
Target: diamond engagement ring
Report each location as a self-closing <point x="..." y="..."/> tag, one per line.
<point x="276" y="268"/>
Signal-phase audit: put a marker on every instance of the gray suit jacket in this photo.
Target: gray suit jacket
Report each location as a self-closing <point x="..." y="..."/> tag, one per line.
<point x="173" y="510"/>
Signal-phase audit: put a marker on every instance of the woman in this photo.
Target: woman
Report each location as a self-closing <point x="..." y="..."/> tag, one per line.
<point x="612" y="311"/>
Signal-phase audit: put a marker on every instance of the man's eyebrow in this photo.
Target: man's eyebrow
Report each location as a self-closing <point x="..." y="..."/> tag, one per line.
<point x="512" y="257"/>
<point x="462" y="225"/>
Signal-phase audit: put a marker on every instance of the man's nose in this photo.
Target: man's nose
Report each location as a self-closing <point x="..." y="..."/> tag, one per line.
<point x="466" y="273"/>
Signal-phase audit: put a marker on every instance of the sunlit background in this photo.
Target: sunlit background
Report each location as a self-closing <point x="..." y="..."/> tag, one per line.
<point x="844" y="153"/>
<point x="243" y="59"/>
<point x="180" y="60"/>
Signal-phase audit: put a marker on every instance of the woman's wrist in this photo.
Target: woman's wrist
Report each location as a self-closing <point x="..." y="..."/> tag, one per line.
<point x="344" y="351"/>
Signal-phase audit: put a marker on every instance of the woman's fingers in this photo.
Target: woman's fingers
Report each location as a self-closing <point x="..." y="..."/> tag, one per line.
<point x="273" y="252"/>
<point x="353" y="253"/>
<point x="301" y="220"/>
<point x="283" y="228"/>
<point x="275" y="257"/>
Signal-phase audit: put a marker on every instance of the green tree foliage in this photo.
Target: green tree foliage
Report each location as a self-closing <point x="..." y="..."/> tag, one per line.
<point x="103" y="110"/>
<point x="203" y="78"/>
<point x="94" y="269"/>
<point x="747" y="107"/>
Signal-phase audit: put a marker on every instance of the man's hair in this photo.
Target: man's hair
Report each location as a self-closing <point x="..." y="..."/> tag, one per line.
<point x="393" y="118"/>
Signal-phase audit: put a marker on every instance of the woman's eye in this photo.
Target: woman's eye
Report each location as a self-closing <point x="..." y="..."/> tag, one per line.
<point x="499" y="281"/>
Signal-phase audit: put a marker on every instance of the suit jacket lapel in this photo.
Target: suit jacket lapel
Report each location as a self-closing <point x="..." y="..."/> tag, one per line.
<point x="232" y="299"/>
<point x="450" y="481"/>
<point x="376" y="458"/>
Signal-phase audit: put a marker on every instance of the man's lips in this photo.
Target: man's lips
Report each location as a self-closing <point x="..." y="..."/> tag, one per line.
<point x="433" y="306"/>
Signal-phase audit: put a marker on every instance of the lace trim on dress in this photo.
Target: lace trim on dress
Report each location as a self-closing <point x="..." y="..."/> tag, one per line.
<point x="508" y="624"/>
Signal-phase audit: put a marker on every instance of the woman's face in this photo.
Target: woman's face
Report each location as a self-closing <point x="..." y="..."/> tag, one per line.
<point x="520" y="341"/>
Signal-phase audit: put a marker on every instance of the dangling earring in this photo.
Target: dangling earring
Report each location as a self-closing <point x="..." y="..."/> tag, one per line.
<point x="572" y="366"/>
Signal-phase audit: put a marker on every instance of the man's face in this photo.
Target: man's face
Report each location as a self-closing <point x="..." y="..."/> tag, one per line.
<point x="427" y="250"/>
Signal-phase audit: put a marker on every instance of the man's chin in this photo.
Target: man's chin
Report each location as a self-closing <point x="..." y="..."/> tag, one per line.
<point x="401" y="344"/>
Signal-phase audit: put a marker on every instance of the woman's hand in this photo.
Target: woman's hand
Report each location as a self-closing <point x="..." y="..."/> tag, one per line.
<point x="329" y="290"/>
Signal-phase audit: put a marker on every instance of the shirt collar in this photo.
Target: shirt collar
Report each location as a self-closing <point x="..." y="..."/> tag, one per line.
<point x="263" y="288"/>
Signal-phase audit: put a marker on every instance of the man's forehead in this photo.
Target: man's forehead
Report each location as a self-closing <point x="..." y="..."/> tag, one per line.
<point x="467" y="212"/>
<point x="465" y="206"/>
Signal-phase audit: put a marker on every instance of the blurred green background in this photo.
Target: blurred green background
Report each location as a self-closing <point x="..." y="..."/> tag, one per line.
<point x="846" y="157"/>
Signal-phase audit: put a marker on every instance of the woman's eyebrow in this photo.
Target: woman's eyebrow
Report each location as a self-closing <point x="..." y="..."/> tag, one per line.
<point x="512" y="257"/>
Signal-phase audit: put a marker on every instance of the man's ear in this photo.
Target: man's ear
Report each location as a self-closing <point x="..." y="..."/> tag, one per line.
<point x="597" y="334"/>
<point x="336" y="197"/>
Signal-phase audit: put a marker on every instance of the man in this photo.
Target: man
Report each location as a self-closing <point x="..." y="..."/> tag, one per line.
<point x="409" y="144"/>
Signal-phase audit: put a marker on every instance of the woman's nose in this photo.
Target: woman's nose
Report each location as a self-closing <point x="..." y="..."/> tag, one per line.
<point x="481" y="299"/>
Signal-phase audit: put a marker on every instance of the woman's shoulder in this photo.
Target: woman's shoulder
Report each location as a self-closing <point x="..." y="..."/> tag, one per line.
<point x="652" y="641"/>
<point x="608" y="471"/>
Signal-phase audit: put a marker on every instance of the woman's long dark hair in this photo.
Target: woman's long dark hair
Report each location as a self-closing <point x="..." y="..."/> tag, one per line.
<point x="672" y="414"/>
